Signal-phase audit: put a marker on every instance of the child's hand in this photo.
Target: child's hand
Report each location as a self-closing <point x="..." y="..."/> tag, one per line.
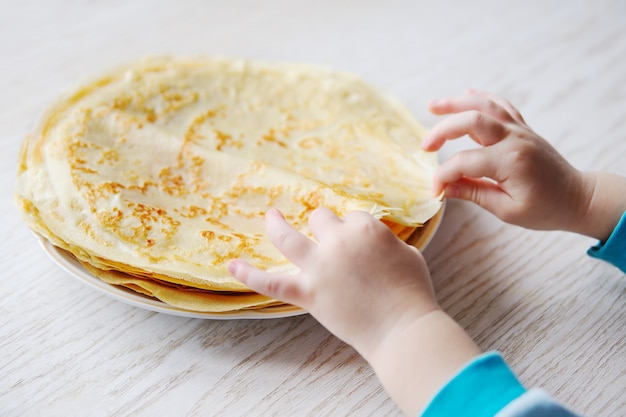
<point x="358" y="280"/>
<point x="374" y="292"/>
<point x="516" y="174"/>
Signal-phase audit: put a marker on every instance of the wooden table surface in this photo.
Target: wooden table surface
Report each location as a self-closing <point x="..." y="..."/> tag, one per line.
<point x="558" y="316"/>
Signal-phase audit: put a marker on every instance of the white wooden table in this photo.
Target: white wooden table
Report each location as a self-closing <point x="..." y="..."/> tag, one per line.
<point x="557" y="315"/>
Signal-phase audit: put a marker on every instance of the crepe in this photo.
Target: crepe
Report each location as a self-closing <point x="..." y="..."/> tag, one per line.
<point x="163" y="170"/>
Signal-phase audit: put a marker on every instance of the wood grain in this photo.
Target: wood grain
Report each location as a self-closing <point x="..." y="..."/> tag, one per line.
<point x="558" y="316"/>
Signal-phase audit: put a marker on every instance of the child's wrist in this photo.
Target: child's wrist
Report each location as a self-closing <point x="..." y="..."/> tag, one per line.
<point x="417" y="359"/>
<point x="604" y="207"/>
<point x="392" y="326"/>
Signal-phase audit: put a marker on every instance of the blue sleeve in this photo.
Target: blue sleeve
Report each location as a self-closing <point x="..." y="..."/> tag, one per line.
<point x="486" y="387"/>
<point x="614" y="249"/>
<point x="481" y="389"/>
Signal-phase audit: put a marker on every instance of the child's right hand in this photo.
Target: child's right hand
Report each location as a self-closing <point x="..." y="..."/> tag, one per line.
<point x="516" y="174"/>
<point x="374" y="292"/>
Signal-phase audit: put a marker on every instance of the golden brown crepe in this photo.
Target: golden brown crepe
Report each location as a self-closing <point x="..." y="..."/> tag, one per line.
<point x="161" y="172"/>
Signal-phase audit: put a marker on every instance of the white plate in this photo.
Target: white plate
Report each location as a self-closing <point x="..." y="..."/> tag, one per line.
<point x="69" y="264"/>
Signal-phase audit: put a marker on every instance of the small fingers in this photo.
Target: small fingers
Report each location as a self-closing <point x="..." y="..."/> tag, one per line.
<point x="359" y="216"/>
<point x="481" y="191"/>
<point x="482" y="128"/>
<point x="503" y="103"/>
<point x="481" y="101"/>
<point x="294" y="245"/>
<point x="363" y="220"/>
<point x="322" y="221"/>
<point x="474" y="163"/>
<point x="287" y="288"/>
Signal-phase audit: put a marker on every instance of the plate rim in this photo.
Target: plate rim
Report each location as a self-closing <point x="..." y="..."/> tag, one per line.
<point x="74" y="268"/>
<point x="70" y="265"/>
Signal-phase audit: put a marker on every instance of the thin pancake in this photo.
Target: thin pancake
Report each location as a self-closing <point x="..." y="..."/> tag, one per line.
<point x="164" y="169"/>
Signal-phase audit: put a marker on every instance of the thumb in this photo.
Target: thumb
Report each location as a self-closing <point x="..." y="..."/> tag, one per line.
<point x="483" y="192"/>
<point x="287" y="288"/>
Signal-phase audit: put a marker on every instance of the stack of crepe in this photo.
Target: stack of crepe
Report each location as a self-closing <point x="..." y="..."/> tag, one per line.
<point x="155" y="175"/>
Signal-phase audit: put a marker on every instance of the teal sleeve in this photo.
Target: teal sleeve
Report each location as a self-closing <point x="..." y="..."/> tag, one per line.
<point x="613" y="250"/>
<point x="480" y="389"/>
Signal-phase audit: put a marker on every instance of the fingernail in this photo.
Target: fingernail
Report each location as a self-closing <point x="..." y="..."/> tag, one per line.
<point x="273" y="212"/>
<point x="433" y="103"/>
<point x="425" y="143"/>
<point x="451" y="191"/>
<point x="435" y="189"/>
<point x="232" y="266"/>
